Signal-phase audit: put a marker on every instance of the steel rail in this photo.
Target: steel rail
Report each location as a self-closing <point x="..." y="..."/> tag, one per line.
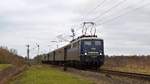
<point x="113" y="73"/>
<point x="125" y="74"/>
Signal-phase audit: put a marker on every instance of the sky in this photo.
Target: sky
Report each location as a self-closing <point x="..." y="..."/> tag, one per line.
<point x="40" y="22"/>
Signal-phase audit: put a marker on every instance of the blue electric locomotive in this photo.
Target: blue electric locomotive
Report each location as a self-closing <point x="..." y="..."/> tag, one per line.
<point x="85" y="51"/>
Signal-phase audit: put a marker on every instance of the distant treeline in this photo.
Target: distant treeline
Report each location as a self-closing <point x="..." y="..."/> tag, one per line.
<point x="10" y="56"/>
<point x="38" y="59"/>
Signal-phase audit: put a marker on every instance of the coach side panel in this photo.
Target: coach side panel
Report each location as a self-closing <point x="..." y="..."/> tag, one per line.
<point x="59" y="54"/>
<point x="73" y="53"/>
<point x="50" y="56"/>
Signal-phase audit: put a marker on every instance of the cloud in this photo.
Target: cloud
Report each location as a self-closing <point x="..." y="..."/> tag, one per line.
<point x="34" y="21"/>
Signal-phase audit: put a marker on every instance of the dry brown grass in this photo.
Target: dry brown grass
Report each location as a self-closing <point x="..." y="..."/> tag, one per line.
<point x="139" y="64"/>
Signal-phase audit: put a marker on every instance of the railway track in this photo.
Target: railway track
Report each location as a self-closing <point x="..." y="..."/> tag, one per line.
<point x="115" y="73"/>
<point x="125" y="74"/>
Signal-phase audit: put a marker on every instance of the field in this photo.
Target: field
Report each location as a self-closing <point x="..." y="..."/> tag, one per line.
<point x="46" y="75"/>
<point x="137" y="64"/>
<point x="4" y="66"/>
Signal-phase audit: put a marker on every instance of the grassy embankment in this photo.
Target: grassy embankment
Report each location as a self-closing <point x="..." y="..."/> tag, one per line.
<point x="9" y="58"/>
<point x="4" y="66"/>
<point x="46" y="75"/>
<point x="136" y="64"/>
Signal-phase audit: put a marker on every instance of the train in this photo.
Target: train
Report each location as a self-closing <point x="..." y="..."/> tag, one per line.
<point x="84" y="51"/>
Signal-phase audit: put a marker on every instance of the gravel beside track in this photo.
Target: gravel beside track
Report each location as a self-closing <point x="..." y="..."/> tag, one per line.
<point x="9" y="72"/>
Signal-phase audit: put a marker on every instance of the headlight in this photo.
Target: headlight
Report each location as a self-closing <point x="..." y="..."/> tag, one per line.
<point x="100" y="53"/>
<point x="85" y="53"/>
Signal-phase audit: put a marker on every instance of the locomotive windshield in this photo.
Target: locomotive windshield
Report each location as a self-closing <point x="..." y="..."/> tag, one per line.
<point x="98" y="43"/>
<point x="89" y="43"/>
<point x="93" y="47"/>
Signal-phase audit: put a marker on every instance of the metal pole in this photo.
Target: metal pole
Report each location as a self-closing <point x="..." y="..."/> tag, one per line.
<point x="38" y="46"/>
<point x="38" y="49"/>
<point x="49" y="47"/>
<point x="57" y="45"/>
<point x="65" y="59"/>
<point x="28" y="54"/>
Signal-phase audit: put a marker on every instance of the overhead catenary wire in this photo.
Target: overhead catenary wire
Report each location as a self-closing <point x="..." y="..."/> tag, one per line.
<point x="119" y="15"/>
<point x="78" y="27"/>
<point x="99" y="5"/>
<point x="75" y="27"/>
<point x="110" y="9"/>
<point x="112" y="19"/>
<point x="122" y="15"/>
<point x="96" y="7"/>
<point x="120" y="9"/>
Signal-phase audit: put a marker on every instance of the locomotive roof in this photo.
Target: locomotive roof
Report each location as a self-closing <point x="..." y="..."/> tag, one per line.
<point x="78" y="39"/>
<point x="85" y="38"/>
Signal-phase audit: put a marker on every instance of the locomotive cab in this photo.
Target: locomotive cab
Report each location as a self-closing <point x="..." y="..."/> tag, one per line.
<point x="92" y="52"/>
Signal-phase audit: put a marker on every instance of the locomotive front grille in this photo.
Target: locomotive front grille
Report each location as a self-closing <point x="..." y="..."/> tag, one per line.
<point x="93" y="53"/>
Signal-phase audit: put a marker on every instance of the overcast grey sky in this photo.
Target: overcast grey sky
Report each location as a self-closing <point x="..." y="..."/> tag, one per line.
<point x="40" y="21"/>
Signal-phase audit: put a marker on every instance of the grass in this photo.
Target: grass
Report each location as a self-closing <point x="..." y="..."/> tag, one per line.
<point x="46" y="75"/>
<point x="4" y="66"/>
